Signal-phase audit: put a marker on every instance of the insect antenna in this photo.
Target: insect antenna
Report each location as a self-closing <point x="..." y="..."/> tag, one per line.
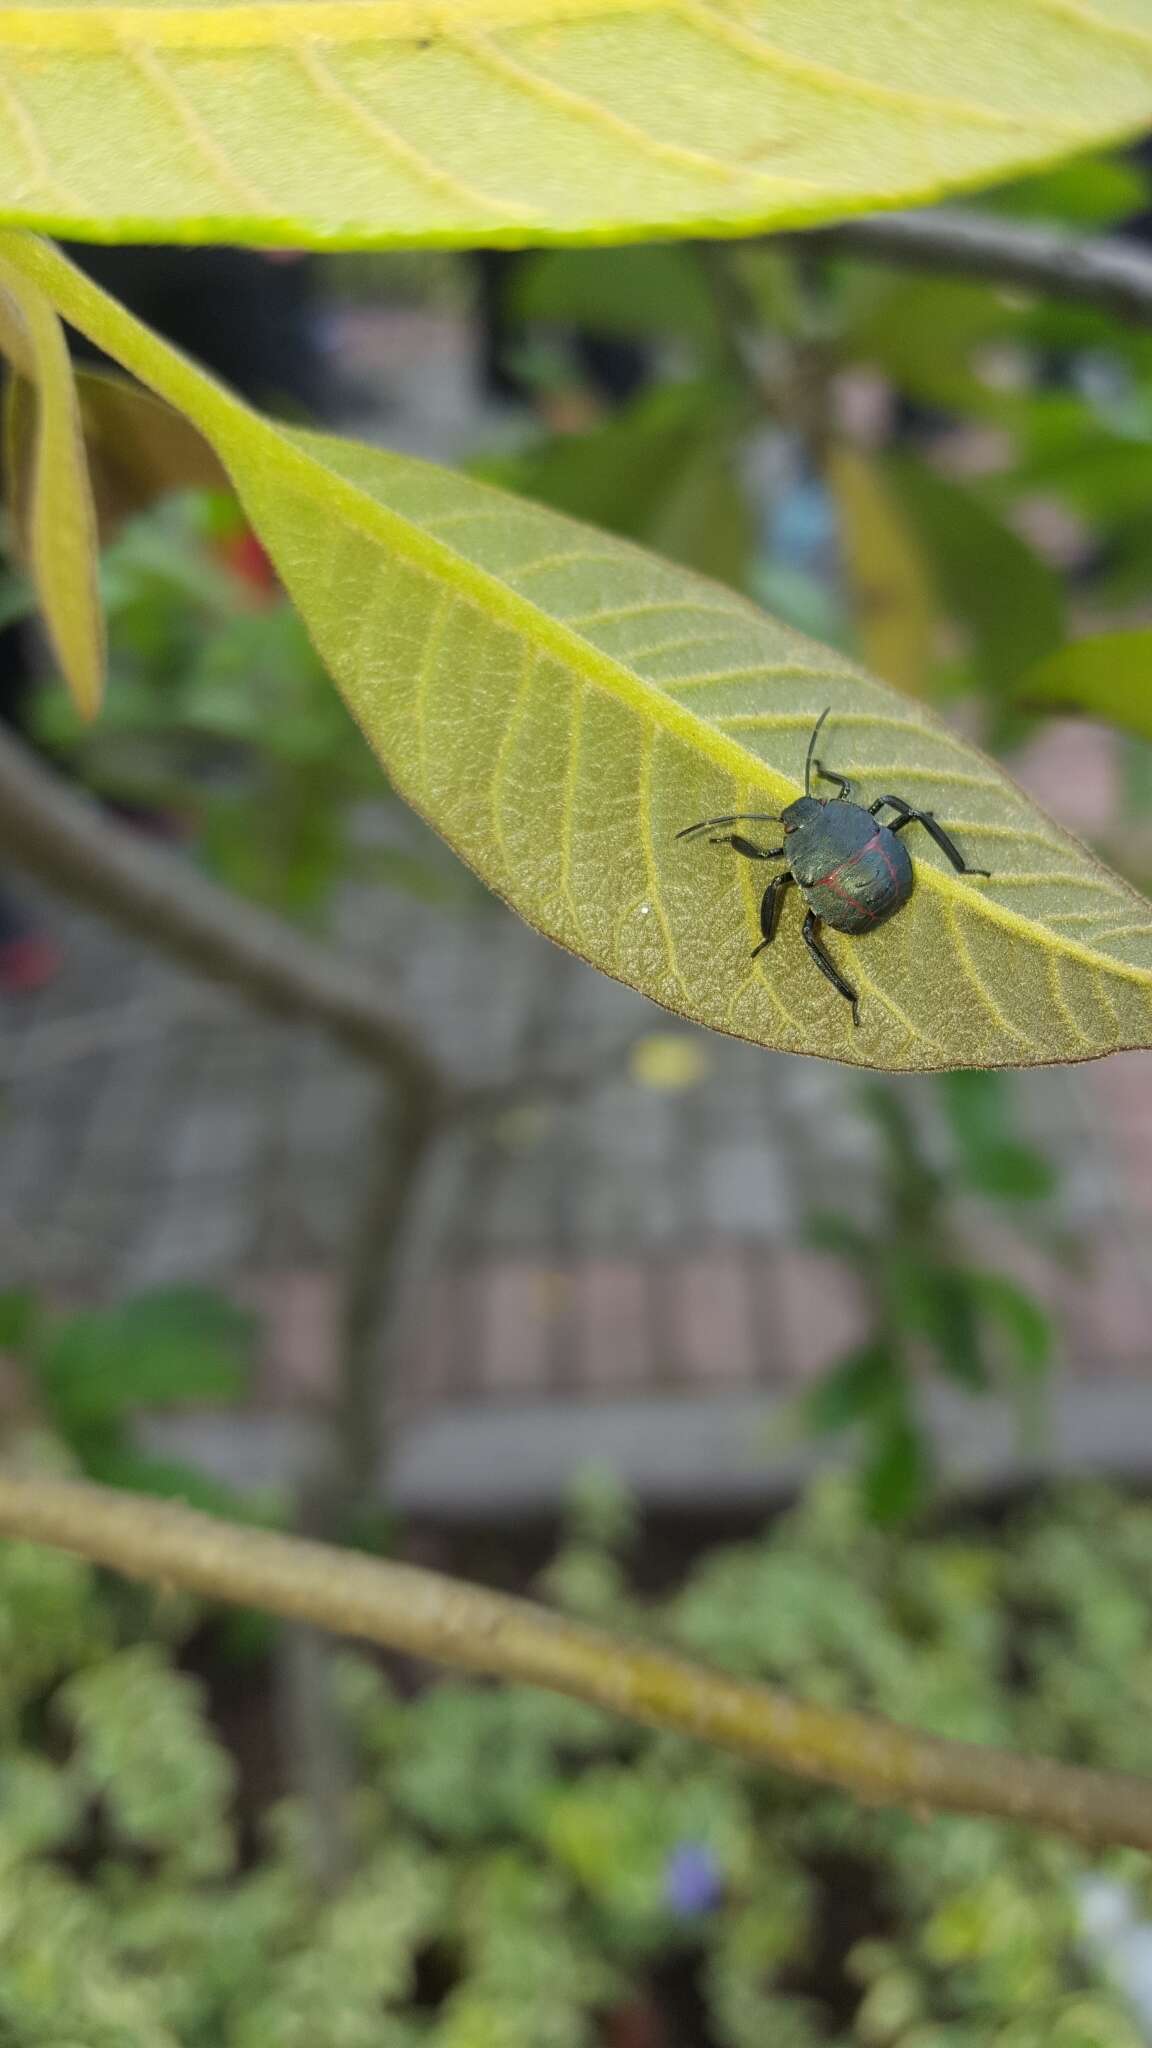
<point x="812" y="750"/>
<point x="731" y="818"/>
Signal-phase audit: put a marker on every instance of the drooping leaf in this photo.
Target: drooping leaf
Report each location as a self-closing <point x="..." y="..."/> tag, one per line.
<point x="46" y="477"/>
<point x="1108" y="676"/>
<point x="460" y="121"/>
<point x="560" y="705"/>
<point x="894" y="603"/>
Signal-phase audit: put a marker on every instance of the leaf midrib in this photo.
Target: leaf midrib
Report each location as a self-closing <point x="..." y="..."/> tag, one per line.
<point x="174" y="377"/>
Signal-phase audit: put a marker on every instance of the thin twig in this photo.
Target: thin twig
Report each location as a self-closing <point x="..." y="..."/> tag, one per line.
<point x="1109" y="272"/>
<point x="430" y="1615"/>
<point x="61" y="836"/>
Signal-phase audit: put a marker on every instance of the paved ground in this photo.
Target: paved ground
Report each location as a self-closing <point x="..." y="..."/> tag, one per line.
<point x="637" y="1243"/>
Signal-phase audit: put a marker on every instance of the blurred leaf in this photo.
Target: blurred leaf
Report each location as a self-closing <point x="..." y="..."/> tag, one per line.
<point x="934" y="1301"/>
<point x="896" y="1474"/>
<point x="46" y="480"/>
<point x="663" y="472"/>
<point x="1108" y="676"/>
<point x="657" y="289"/>
<point x="828" y="1231"/>
<point x="852" y="1390"/>
<point x="138" y="448"/>
<point x="180" y="1344"/>
<point x="992" y="1159"/>
<point x="1023" y="1321"/>
<point x="1084" y="192"/>
<point x="925" y="334"/>
<point x="893" y="600"/>
<point x="995" y="586"/>
<point x="19" y="1313"/>
<point x="537" y="122"/>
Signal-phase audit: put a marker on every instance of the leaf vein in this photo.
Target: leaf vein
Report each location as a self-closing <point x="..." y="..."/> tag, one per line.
<point x="308" y="55"/>
<point x="209" y="150"/>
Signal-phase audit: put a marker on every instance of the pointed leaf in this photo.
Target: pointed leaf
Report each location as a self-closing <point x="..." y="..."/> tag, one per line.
<point x="463" y="121"/>
<point x="561" y="704"/>
<point x="1107" y="677"/>
<point x="47" y="479"/>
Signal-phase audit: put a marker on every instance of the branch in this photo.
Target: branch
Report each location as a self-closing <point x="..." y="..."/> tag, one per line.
<point x="429" y="1615"/>
<point x="62" y="837"/>
<point x="1106" y="271"/>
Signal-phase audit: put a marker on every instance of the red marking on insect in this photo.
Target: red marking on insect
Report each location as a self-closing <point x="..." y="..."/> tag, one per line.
<point x="828" y="881"/>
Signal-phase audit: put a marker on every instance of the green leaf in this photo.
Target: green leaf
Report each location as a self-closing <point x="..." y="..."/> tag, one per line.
<point x="897" y="1472"/>
<point x="561" y="705"/>
<point x="856" y="1387"/>
<point x="653" y="291"/>
<point x="180" y="1344"/>
<point x="992" y="1160"/>
<point x="1027" y="1330"/>
<point x="19" y="1310"/>
<point x="1107" y="677"/>
<point x="663" y="472"/>
<point x="46" y="479"/>
<point x="935" y="1302"/>
<point x="995" y="586"/>
<point x="463" y="121"/>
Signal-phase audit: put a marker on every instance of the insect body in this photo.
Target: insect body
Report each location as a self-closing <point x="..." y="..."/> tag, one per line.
<point x="852" y="870"/>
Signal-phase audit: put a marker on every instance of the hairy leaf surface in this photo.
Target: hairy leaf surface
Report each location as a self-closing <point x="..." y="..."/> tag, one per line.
<point x="460" y="121"/>
<point x="560" y="704"/>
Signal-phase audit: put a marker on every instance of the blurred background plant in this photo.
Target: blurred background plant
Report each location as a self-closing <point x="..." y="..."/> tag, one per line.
<point x="529" y="1870"/>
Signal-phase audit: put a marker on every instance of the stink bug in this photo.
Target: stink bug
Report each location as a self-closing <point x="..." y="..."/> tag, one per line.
<point x="851" y="870"/>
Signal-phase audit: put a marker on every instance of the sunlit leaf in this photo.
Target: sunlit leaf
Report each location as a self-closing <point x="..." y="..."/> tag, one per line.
<point x="560" y="705"/>
<point x="462" y="121"/>
<point x="894" y="603"/>
<point x="1107" y="677"/>
<point x="46" y="478"/>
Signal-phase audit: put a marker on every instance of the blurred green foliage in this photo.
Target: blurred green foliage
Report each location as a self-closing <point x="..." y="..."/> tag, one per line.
<point x="91" y="1371"/>
<point x="931" y="1308"/>
<point x="221" y="717"/>
<point x="514" y="1849"/>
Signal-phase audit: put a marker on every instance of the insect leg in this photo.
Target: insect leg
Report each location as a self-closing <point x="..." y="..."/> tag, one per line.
<point x="827" y="966"/>
<point x="745" y="846"/>
<point x="770" y="911"/>
<point x="910" y="816"/>
<point x="830" y="775"/>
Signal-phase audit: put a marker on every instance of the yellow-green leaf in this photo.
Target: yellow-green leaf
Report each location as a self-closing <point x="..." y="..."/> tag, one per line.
<point x="47" y="480"/>
<point x="560" y="704"/>
<point x="893" y="599"/>
<point x="454" y="121"/>
<point x="1107" y="677"/>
